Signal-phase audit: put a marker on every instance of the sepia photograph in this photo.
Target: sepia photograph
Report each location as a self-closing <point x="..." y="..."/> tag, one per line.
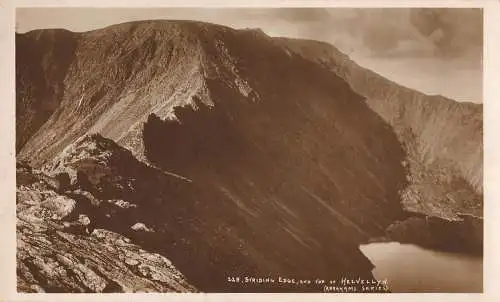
<point x="249" y="150"/>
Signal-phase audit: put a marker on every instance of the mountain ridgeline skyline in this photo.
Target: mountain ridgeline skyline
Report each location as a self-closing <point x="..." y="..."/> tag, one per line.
<point x="237" y="153"/>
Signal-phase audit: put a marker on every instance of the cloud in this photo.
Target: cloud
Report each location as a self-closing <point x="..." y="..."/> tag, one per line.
<point x="452" y="31"/>
<point x="445" y="32"/>
<point x="302" y="14"/>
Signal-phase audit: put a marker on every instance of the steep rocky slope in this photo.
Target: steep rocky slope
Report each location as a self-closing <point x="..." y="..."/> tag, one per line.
<point x="40" y="82"/>
<point x="442" y="138"/>
<point x="212" y="230"/>
<point x="225" y="160"/>
<point x="59" y="249"/>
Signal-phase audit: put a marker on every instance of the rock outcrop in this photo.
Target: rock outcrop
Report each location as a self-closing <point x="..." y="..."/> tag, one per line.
<point x="58" y="252"/>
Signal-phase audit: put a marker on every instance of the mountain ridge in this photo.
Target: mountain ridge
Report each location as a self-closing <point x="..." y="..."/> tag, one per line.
<point x="427" y="125"/>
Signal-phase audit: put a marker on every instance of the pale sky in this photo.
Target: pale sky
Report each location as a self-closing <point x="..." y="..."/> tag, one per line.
<point x="436" y="51"/>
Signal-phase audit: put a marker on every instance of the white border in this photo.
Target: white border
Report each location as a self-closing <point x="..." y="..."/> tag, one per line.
<point x="491" y="92"/>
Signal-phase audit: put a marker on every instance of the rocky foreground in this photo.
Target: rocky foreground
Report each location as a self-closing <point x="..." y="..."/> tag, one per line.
<point x="59" y="249"/>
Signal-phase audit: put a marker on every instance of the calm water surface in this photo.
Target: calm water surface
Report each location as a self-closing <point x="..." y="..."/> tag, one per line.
<point x="410" y="268"/>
